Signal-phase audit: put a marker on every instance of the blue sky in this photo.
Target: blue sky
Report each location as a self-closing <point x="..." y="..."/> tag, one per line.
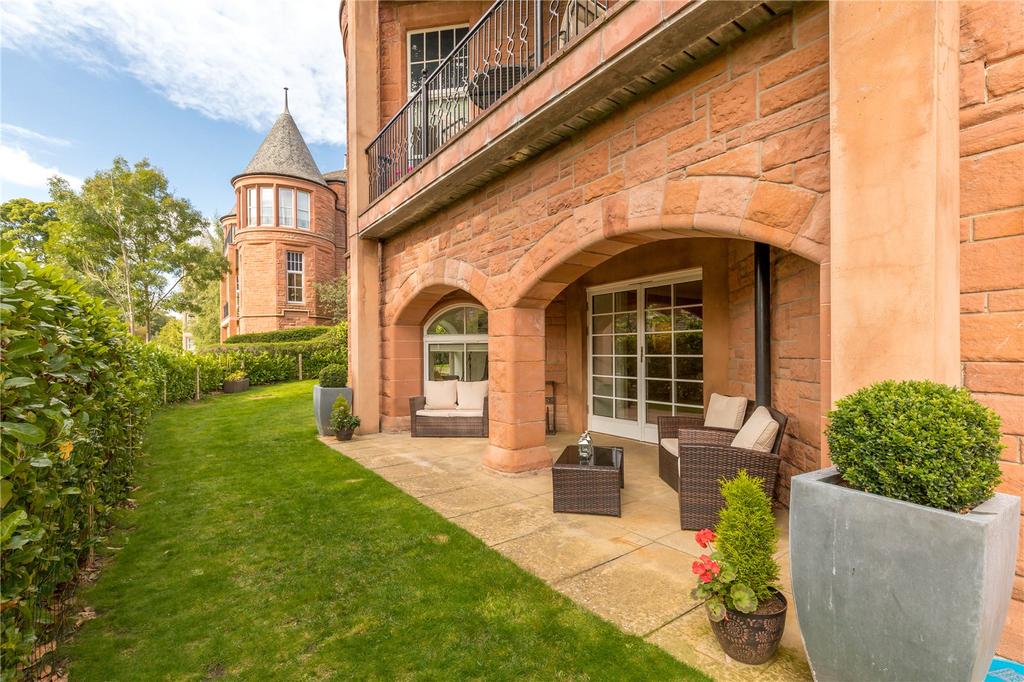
<point x="180" y="85"/>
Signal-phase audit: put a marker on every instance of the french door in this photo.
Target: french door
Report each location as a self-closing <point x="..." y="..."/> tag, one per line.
<point x="646" y="354"/>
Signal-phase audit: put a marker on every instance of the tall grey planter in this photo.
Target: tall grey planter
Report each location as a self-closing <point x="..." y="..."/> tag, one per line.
<point x="323" y="401"/>
<point x="890" y="590"/>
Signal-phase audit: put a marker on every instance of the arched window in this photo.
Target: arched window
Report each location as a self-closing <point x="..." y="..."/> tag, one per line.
<point x="455" y="344"/>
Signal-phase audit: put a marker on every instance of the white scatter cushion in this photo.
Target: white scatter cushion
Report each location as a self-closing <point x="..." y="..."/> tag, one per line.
<point x="471" y="394"/>
<point x="725" y="412"/>
<point x="440" y="395"/>
<point x="449" y="414"/>
<point x="758" y="433"/>
<point x="671" y="444"/>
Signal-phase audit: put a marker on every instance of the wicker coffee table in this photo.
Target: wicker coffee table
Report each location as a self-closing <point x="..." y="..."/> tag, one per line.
<point x="588" y="488"/>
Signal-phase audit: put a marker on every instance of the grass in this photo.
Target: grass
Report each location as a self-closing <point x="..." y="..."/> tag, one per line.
<point x="255" y="552"/>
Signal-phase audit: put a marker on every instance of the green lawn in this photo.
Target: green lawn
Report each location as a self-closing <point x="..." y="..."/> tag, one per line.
<point x="257" y="553"/>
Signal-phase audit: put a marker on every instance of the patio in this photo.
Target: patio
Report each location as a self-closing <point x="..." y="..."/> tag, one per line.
<point x="633" y="571"/>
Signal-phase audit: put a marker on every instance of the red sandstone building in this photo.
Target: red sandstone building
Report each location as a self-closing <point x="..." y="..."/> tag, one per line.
<point x="287" y="233"/>
<point x="642" y="203"/>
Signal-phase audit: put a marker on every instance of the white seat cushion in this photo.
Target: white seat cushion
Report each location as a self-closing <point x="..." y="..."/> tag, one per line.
<point x="450" y="414"/>
<point x="672" y="445"/>
<point x="471" y="394"/>
<point x="440" y="395"/>
<point x="725" y="412"/>
<point x="758" y="433"/>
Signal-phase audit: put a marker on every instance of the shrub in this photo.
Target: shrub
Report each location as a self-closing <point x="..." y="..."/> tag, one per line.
<point x="917" y="441"/>
<point x="342" y="418"/>
<point x="746" y="534"/>
<point x="237" y="375"/>
<point x="279" y="335"/>
<point x="333" y="376"/>
<point x="270" y="362"/>
<point x="76" y="394"/>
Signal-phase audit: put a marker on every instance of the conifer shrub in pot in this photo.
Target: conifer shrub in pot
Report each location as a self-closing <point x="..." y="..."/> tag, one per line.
<point x="342" y="420"/>
<point x="738" y="579"/>
<point x="326" y="391"/>
<point x="902" y="553"/>
<point x="236" y="382"/>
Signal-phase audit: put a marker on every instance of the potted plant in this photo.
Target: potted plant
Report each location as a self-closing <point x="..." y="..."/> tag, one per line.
<point x="738" y="579"/>
<point x="236" y="382"/>
<point x="331" y="385"/>
<point x="902" y="553"/>
<point x="342" y="420"/>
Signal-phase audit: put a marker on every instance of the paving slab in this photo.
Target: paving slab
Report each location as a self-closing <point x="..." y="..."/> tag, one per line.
<point x="474" y="498"/>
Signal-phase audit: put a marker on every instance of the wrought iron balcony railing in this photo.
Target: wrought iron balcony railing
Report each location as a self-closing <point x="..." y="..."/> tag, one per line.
<point x="511" y="40"/>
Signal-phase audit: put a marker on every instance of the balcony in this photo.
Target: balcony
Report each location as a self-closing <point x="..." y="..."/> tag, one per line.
<point x="526" y="76"/>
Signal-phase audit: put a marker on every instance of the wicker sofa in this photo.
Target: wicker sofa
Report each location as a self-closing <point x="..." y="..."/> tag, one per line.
<point x="446" y="423"/>
<point x="706" y="457"/>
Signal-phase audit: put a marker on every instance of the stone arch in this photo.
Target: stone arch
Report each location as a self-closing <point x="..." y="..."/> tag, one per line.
<point x="426" y="285"/>
<point x="785" y="216"/>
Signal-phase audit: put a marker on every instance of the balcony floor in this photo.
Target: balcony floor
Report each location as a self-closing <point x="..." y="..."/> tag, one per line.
<point x="633" y="570"/>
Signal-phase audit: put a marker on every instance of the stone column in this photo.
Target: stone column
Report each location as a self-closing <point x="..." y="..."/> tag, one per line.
<point x="364" y="336"/>
<point x="516" y="390"/>
<point x="402" y="375"/>
<point x="893" y="73"/>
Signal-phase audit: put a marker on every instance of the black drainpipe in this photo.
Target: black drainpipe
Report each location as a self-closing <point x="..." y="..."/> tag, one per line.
<point x="762" y="323"/>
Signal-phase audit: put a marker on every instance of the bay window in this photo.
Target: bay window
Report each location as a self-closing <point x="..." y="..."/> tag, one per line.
<point x="303" y="208"/>
<point x="250" y="207"/>
<point x="266" y="206"/>
<point x="285" y="215"/>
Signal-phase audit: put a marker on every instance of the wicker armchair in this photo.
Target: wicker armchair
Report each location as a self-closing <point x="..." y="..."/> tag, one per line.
<point x="706" y="457"/>
<point x="668" y="428"/>
<point x="457" y="426"/>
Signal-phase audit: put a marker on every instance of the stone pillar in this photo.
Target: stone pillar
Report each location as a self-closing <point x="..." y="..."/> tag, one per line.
<point x="893" y="74"/>
<point x="516" y="390"/>
<point x="402" y="375"/>
<point x="364" y="337"/>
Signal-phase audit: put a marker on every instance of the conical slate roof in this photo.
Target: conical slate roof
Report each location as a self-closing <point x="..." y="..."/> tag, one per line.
<point x="284" y="152"/>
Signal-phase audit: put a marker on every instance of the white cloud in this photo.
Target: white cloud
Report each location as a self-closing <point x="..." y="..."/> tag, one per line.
<point x="8" y="130"/>
<point x="18" y="168"/>
<point x="223" y="58"/>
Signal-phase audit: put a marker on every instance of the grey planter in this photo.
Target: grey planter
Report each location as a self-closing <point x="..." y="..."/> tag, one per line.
<point x="323" y="401"/>
<point x="236" y="386"/>
<point x="890" y="590"/>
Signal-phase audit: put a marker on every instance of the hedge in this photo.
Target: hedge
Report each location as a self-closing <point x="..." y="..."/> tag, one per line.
<point x="74" y="404"/>
<point x="280" y="335"/>
<point x="76" y="391"/>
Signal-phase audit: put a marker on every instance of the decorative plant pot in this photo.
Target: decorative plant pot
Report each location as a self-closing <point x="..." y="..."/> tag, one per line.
<point x="891" y="590"/>
<point x="488" y="86"/>
<point x="323" y="401"/>
<point x="236" y="385"/>
<point x="344" y="435"/>
<point x="752" y="637"/>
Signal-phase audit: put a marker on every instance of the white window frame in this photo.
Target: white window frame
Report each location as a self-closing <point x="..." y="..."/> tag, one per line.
<point x="641" y="430"/>
<point x="298" y="210"/>
<point x="408" y="49"/>
<point x="266" y="216"/>
<point x="251" y="206"/>
<point x="453" y="339"/>
<point x="300" y="272"/>
<point x="286" y="206"/>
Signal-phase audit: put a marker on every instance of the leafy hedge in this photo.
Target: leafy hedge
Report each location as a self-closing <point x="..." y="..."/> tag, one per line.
<point x="280" y="335"/>
<point x="74" y="403"/>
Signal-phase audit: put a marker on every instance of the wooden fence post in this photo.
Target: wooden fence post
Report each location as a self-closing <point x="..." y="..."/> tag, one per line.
<point x="197" y="382"/>
<point x="300" y="366"/>
<point x="165" y="391"/>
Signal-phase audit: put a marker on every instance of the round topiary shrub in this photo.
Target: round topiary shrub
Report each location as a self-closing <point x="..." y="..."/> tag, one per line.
<point x="917" y="441"/>
<point x="333" y="376"/>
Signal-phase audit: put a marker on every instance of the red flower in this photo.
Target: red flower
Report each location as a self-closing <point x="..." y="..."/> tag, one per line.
<point x="706" y="568"/>
<point x="705" y="577"/>
<point x="705" y="537"/>
<point x="698" y="568"/>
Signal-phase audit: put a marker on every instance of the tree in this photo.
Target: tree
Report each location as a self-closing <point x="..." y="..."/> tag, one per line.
<point x="169" y="335"/>
<point x="332" y="296"/>
<point x="201" y="299"/>
<point x="27" y="223"/>
<point x="131" y="239"/>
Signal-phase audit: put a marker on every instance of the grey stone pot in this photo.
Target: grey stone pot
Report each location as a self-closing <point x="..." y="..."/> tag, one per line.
<point x="890" y="590"/>
<point x="236" y="386"/>
<point x="323" y="401"/>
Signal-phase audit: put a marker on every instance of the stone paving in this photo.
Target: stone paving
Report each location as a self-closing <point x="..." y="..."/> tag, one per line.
<point x="633" y="571"/>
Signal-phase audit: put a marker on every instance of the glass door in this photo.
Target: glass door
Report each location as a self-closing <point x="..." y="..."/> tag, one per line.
<point x="646" y="354"/>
